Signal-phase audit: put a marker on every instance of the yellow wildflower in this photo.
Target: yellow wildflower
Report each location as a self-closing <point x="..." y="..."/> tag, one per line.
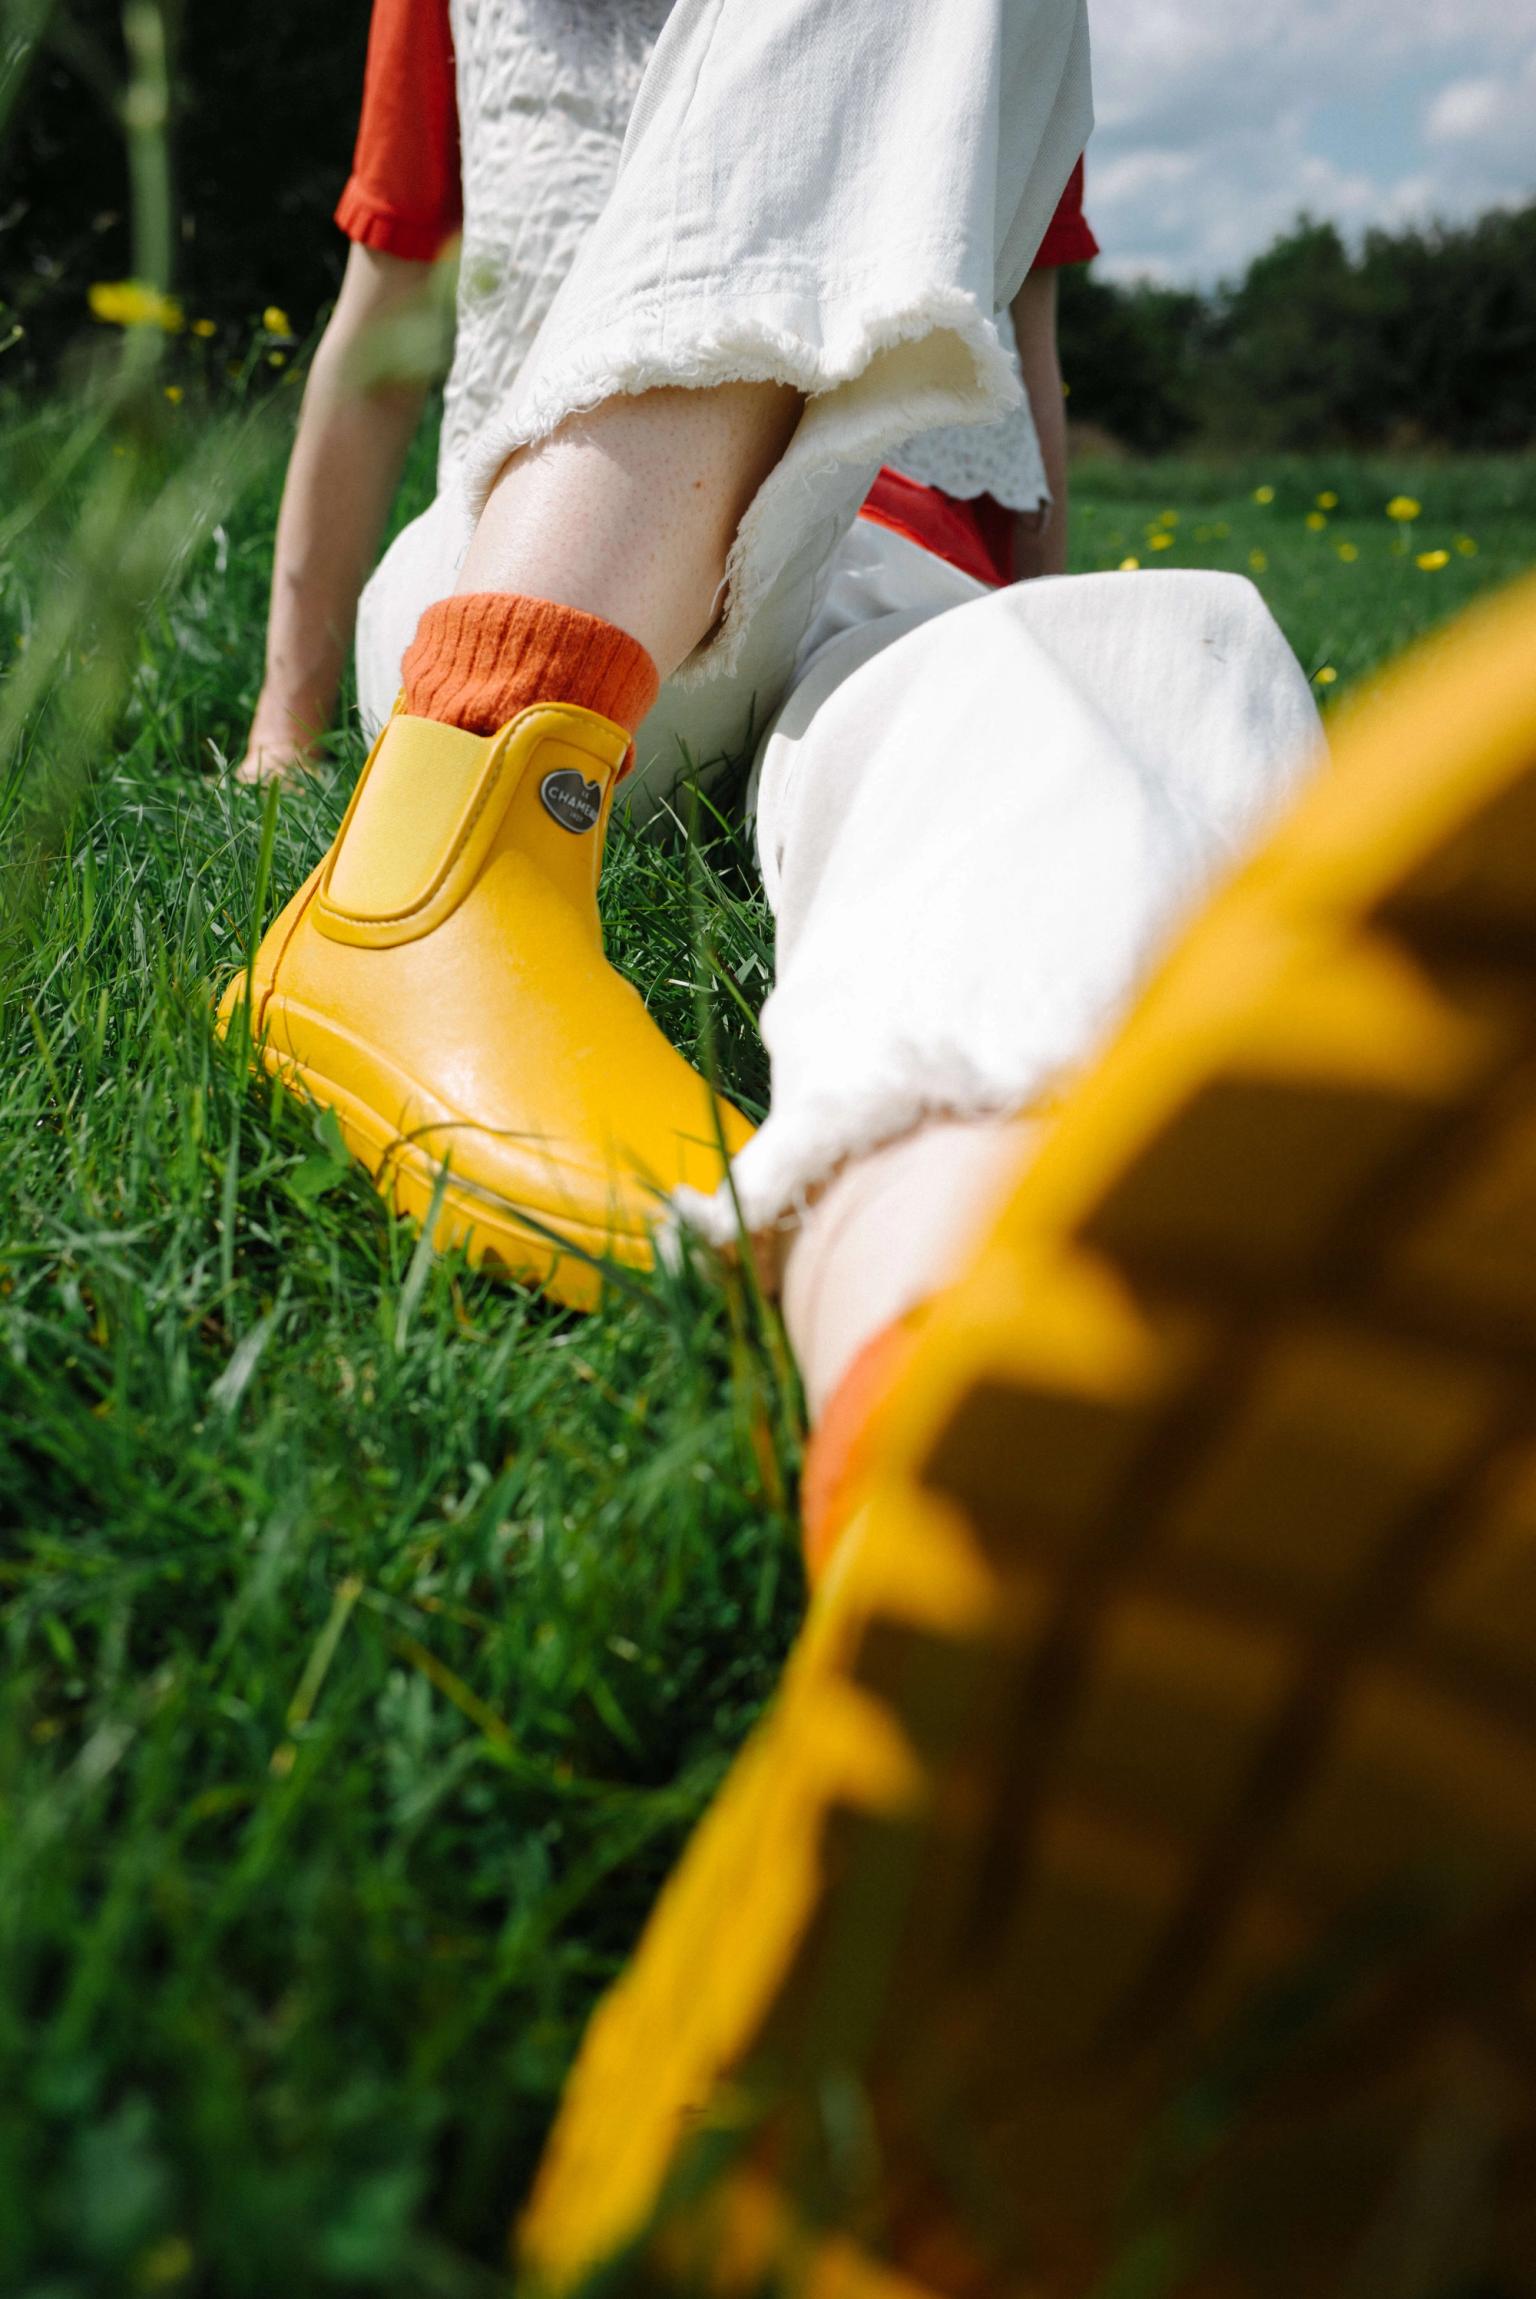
<point x="1220" y="532"/>
<point x="175" y="394"/>
<point x="1327" y="501"/>
<point x="1129" y="566"/>
<point x="131" y="303"/>
<point x="1316" y="521"/>
<point x="1433" y="561"/>
<point x="1404" y="510"/>
<point x="1466" y="547"/>
<point x="1160" y="541"/>
<point x="1263" y="494"/>
<point x="275" y="320"/>
<point x="1168" y="519"/>
<point x="277" y="358"/>
<point x="1326" y="677"/>
<point x="1349" y="553"/>
<point x="205" y="328"/>
<point x="1259" y="562"/>
<point x="168" y="2262"/>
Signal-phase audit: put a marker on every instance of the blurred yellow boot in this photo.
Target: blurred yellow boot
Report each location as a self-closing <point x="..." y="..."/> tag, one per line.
<point x="1134" y="1885"/>
<point x="440" y="984"/>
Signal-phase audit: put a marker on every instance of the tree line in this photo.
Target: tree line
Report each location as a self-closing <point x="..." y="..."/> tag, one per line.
<point x="1421" y="337"/>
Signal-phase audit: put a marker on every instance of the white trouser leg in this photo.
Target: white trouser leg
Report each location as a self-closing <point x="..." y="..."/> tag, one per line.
<point x="976" y="840"/>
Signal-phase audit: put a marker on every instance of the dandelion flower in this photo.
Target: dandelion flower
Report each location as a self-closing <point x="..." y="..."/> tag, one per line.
<point x="1326" y="677"/>
<point x="1259" y="562"/>
<point x="275" y="320"/>
<point x="205" y="328"/>
<point x="1404" y="510"/>
<point x="1161" y="541"/>
<point x="175" y="394"/>
<point x="1465" y="546"/>
<point x="1349" y="553"/>
<point x="167" y="2262"/>
<point x="1169" y="519"/>
<point x="131" y="303"/>
<point x="1129" y="566"/>
<point x="1316" y="522"/>
<point x="1327" y="501"/>
<point x="1220" y="532"/>
<point x="1433" y="561"/>
<point x="1263" y="494"/>
<point x="277" y="358"/>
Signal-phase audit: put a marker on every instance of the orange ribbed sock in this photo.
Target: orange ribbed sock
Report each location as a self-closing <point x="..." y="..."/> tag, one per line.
<point x="481" y="657"/>
<point x="837" y="1455"/>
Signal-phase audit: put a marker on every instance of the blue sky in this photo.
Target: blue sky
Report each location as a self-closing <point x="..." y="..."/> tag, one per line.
<point x="1220" y="119"/>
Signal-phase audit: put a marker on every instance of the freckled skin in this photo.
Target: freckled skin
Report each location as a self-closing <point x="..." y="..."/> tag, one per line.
<point x="630" y="510"/>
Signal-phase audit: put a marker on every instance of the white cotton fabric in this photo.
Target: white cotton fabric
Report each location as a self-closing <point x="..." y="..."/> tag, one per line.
<point x="977" y="827"/>
<point x="1002" y="459"/>
<point x="836" y="194"/>
<point x="833" y="194"/>
<point x="546" y="89"/>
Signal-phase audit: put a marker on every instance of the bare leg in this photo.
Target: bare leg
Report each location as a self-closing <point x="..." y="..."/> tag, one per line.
<point x="890" y="1230"/>
<point x="629" y="511"/>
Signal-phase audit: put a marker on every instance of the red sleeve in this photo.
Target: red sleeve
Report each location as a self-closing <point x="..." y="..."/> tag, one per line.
<point x="404" y="194"/>
<point x="1068" y="238"/>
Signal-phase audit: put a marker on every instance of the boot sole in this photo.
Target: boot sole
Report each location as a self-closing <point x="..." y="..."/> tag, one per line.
<point x="563" y="1257"/>
<point x="1134" y="1885"/>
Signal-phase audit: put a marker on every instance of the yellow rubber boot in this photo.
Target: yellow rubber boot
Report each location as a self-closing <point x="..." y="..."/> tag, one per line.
<point x="440" y="984"/>
<point x="1133" y="1888"/>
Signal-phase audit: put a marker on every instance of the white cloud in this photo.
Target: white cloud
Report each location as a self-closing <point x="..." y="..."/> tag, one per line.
<point x="1218" y="123"/>
<point x="1466" y="109"/>
<point x="1487" y="125"/>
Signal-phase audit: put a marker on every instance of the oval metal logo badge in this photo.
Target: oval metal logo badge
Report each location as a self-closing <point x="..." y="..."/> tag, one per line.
<point x="574" y="802"/>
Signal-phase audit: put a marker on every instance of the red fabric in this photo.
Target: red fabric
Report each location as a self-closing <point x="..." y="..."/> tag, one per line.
<point x="1069" y="237"/>
<point x="976" y="537"/>
<point x="405" y="194"/>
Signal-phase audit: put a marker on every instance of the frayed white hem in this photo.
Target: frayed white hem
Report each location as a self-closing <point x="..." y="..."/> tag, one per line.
<point x="777" y="1177"/>
<point x="955" y="372"/>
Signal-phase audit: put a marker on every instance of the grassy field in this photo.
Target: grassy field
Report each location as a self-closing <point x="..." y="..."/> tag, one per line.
<point x="372" y="1636"/>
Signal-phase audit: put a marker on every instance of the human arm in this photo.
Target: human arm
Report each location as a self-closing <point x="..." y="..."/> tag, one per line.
<point x="1040" y="537"/>
<point x="355" y="427"/>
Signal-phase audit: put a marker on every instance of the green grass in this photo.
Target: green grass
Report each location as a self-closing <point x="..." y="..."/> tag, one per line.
<point x="1344" y="615"/>
<point x="372" y="1636"/>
